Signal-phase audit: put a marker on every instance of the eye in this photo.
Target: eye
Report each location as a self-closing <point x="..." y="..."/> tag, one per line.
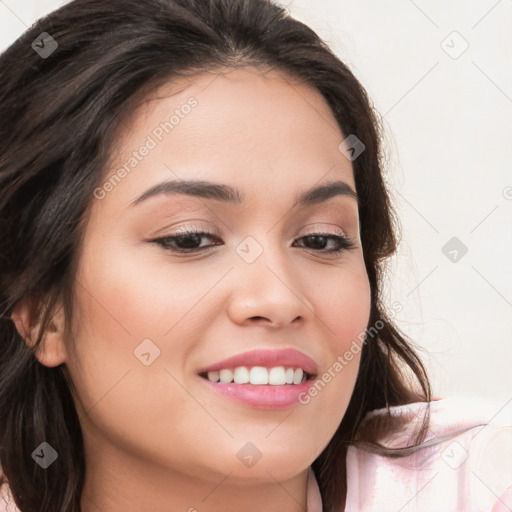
<point x="341" y="242"/>
<point x="188" y="241"/>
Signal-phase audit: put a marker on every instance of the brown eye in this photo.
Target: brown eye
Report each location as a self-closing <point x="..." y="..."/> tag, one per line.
<point x="319" y="241"/>
<point x="186" y="242"/>
<point x="189" y="241"/>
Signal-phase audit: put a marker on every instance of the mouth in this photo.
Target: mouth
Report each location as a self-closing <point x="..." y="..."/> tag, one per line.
<point x="259" y="375"/>
<point x="262" y="379"/>
<point x="263" y="395"/>
<point x="262" y="367"/>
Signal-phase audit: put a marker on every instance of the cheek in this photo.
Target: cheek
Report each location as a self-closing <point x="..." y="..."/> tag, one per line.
<point x="344" y="307"/>
<point x="122" y="397"/>
<point x="125" y="298"/>
<point x="128" y="309"/>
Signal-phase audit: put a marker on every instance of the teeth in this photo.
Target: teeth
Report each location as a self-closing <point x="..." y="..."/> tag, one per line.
<point x="259" y="375"/>
<point x="297" y="377"/>
<point x="241" y="375"/>
<point x="213" y="376"/>
<point x="226" y="376"/>
<point x="277" y="376"/>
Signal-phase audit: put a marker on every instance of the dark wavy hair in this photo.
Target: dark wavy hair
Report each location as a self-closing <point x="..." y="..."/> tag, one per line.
<point x="59" y="120"/>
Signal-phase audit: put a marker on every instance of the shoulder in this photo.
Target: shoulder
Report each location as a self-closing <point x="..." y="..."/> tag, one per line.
<point x="463" y="464"/>
<point x="6" y="499"/>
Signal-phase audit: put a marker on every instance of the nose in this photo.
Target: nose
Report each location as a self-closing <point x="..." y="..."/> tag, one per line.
<point x="269" y="292"/>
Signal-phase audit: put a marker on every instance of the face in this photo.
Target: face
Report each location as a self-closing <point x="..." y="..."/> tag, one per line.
<point x="157" y="305"/>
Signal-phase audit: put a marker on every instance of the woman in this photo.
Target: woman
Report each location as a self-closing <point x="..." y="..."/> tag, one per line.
<point x="194" y="230"/>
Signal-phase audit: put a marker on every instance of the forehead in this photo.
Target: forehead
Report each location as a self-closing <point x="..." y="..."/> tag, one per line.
<point x="253" y="129"/>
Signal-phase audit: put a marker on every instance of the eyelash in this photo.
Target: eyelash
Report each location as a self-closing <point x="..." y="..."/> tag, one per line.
<point x="344" y="242"/>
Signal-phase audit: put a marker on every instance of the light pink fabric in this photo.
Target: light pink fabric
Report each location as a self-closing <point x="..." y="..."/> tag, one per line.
<point x="466" y="472"/>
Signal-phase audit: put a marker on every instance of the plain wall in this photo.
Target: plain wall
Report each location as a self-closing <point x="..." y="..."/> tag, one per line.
<point x="448" y="120"/>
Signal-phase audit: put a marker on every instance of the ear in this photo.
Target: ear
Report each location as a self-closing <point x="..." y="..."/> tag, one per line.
<point x="52" y="350"/>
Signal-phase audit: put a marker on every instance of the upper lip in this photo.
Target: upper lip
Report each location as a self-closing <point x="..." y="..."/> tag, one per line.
<point x="267" y="358"/>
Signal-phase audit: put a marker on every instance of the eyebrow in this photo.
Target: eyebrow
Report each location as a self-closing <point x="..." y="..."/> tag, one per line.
<point x="228" y="194"/>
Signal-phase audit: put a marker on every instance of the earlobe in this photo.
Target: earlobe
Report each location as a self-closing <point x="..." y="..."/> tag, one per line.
<point x="52" y="349"/>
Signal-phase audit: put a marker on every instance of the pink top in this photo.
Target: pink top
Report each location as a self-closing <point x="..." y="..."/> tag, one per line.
<point x="466" y="472"/>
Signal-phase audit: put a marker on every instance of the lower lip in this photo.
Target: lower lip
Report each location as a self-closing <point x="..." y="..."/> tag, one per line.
<point x="262" y="396"/>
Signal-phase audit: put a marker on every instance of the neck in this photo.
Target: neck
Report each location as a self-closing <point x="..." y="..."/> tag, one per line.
<point x="117" y="482"/>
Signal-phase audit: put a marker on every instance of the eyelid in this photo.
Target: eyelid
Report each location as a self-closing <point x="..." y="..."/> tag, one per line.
<point x="195" y="225"/>
<point x="347" y="242"/>
<point x="315" y="228"/>
<point x="188" y="228"/>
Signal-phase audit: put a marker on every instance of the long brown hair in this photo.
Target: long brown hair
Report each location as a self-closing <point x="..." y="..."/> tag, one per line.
<point x="59" y="116"/>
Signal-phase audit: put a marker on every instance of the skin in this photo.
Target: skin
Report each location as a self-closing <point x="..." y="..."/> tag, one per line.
<point x="156" y="438"/>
